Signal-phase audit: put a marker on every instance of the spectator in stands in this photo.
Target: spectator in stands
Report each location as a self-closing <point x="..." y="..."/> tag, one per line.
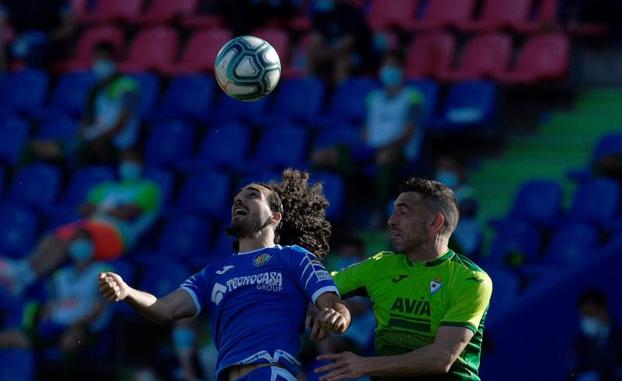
<point x="609" y="166"/>
<point x="16" y="359"/>
<point x="392" y="136"/>
<point x="243" y="16"/>
<point x="42" y="29"/>
<point x="74" y="312"/>
<point x="597" y="351"/>
<point x="341" y="42"/>
<point x="115" y="215"/>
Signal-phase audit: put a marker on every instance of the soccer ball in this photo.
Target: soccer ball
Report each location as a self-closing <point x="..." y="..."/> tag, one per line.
<point x="247" y="68"/>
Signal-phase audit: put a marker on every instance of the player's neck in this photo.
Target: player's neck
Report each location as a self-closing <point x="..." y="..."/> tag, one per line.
<point x="262" y="240"/>
<point x="428" y="252"/>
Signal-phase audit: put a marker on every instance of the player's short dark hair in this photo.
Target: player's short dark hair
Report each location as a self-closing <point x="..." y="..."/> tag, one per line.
<point x="106" y="47"/>
<point x="592" y="297"/>
<point x="303" y="208"/>
<point x="439" y="196"/>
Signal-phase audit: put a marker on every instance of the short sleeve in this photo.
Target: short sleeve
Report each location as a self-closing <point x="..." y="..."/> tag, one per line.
<point x="351" y="281"/>
<point x="310" y="274"/>
<point x="469" y="301"/>
<point x="97" y="194"/>
<point x="197" y="286"/>
<point x="149" y="197"/>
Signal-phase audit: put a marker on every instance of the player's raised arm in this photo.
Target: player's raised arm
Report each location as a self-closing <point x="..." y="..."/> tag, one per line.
<point x="333" y="316"/>
<point x="174" y="306"/>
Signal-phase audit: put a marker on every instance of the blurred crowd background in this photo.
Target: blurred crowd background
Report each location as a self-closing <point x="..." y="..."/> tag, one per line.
<point x="118" y="151"/>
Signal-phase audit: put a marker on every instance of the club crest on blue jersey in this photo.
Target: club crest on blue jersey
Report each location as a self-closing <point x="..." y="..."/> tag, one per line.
<point x="262" y="259"/>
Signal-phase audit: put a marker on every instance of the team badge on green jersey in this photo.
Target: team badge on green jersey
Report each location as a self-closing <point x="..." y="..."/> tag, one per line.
<point x="435" y="285"/>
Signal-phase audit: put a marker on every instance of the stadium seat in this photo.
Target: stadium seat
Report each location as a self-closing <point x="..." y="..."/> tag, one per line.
<point x="608" y="144"/>
<point x="165" y="181"/>
<point x="229" y="110"/>
<point x="200" y="52"/>
<point x="149" y="85"/>
<point x="224" y="146"/>
<point x="334" y="190"/>
<point x="23" y="91"/>
<point x="279" y="39"/>
<point x="163" y="11"/>
<point x="13" y="136"/>
<point x="69" y="96"/>
<point x="83" y="181"/>
<point x="63" y="129"/>
<point x="430" y="90"/>
<point x="185" y="238"/>
<point x="430" y="54"/>
<point x="445" y="13"/>
<point x="168" y="143"/>
<point x="289" y="105"/>
<point x="597" y="202"/>
<point x="486" y="55"/>
<point x="163" y="276"/>
<point x="571" y="245"/>
<point x="538" y="202"/>
<point x="348" y="104"/>
<point x="516" y="243"/>
<point x="281" y="147"/>
<point x="469" y="104"/>
<point x="188" y="97"/>
<point x="18" y="231"/>
<point x="544" y="57"/>
<point x="385" y="14"/>
<point x="83" y="56"/>
<point x="206" y="192"/>
<point x="507" y="288"/>
<point x="78" y="8"/>
<point x="498" y="14"/>
<point x="152" y="49"/>
<point x="112" y="10"/>
<point x="344" y="135"/>
<point x="36" y="185"/>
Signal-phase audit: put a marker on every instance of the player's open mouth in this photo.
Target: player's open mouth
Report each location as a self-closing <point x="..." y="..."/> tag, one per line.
<point x="239" y="211"/>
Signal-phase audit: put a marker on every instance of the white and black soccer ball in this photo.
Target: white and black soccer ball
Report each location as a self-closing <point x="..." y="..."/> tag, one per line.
<point x="247" y="68"/>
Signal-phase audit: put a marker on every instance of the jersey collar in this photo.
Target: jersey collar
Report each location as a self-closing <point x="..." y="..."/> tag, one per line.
<point x="258" y="250"/>
<point x="435" y="262"/>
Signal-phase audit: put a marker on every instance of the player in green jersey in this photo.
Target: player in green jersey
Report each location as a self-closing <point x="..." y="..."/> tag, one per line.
<point x="430" y="303"/>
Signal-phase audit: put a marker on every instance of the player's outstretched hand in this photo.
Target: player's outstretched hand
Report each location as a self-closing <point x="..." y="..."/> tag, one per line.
<point x="112" y="287"/>
<point x="344" y="365"/>
<point x="330" y="320"/>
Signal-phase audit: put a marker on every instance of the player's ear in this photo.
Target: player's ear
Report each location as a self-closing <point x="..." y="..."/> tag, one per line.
<point x="276" y="218"/>
<point x="438" y="223"/>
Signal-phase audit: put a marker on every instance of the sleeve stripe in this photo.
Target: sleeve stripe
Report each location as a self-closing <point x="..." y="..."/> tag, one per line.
<point x="197" y="305"/>
<point x="460" y="324"/>
<point x="323" y="290"/>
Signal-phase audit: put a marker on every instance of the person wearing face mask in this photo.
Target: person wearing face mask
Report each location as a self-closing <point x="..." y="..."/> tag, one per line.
<point x="111" y="124"/>
<point x="597" y="351"/>
<point x="74" y="312"/>
<point x="115" y="215"/>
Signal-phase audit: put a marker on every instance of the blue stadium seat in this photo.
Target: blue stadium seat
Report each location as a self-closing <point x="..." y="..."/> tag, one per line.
<point x="206" y="192"/>
<point x="165" y="181"/>
<point x="149" y="85"/>
<point x="23" y="91"/>
<point x="538" y="201"/>
<point x="344" y="135"/>
<point x="188" y="97"/>
<point x="257" y="177"/>
<point x="36" y="185"/>
<point x="18" y="231"/>
<point x="596" y="201"/>
<point x="225" y="146"/>
<point x="223" y="246"/>
<point x="348" y="105"/>
<point x="83" y="181"/>
<point x="506" y="293"/>
<point x="609" y="144"/>
<point x="2" y="178"/>
<point x="70" y="95"/>
<point x="13" y="136"/>
<point x="334" y="190"/>
<point x="572" y="244"/>
<point x="430" y="90"/>
<point x="298" y="99"/>
<point x="163" y="276"/>
<point x="229" y="110"/>
<point x="282" y="146"/>
<point x="470" y="104"/>
<point x="169" y="143"/>
<point x="516" y="242"/>
<point x="186" y="238"/>
<point x="61" y="128"/>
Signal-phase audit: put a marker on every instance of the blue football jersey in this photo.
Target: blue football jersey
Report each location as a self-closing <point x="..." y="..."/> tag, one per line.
<point x="257" y="301"/>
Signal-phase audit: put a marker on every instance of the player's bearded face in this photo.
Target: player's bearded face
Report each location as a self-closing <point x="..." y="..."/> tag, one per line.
<point x="407" y="224"/>
<point x="250" y="212"/>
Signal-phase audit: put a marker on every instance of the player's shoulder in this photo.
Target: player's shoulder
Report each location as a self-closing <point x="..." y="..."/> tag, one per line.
<point x="383" y="258"/>
<point x="296" y="250"/>
<point x="468" y="269"/>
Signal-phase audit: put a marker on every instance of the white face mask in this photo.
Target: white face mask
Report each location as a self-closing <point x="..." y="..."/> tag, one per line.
<point x="449" y="178"/>
<point x="593" y="327"/>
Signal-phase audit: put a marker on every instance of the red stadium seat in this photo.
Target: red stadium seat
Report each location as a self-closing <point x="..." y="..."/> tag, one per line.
<point x="443" y="13"/>
<point x="389" y="13"/>
<point x="113" y="10"/>
<point x="430" y="54"/>
<point x="200" y="52"/>
<point x="83" y="55"/>
<point x="543" y="57"/>
<point x="502" y="14"/>
<point x="162" y="11"/>
<point x="78" y="8"/>
<point x="485" y="55"/>
<point x="152" y="49"/>
<point x="278" y="38"/>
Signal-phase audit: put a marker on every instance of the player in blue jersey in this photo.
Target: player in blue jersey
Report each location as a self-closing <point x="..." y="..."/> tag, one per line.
<point x="256" y="299"/>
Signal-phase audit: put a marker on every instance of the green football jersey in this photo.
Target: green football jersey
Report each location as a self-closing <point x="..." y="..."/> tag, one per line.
<point x="412" y="300"/>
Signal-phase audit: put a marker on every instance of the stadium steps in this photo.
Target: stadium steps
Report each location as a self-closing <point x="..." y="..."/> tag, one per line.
<point x="564" y="141"/>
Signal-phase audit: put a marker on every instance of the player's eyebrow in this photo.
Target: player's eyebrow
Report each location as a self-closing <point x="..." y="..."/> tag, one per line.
<point x="402" y="204"/>
<point x="254" y="189"/>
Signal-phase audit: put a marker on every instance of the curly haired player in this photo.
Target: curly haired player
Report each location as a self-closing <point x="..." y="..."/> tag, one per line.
<point x="256" y="299"/>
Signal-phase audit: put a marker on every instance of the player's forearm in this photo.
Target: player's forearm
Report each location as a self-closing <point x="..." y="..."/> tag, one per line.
<point x="343" y="311"/>
<point x="426" y="360"/>
<point x="147" y="305"/>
